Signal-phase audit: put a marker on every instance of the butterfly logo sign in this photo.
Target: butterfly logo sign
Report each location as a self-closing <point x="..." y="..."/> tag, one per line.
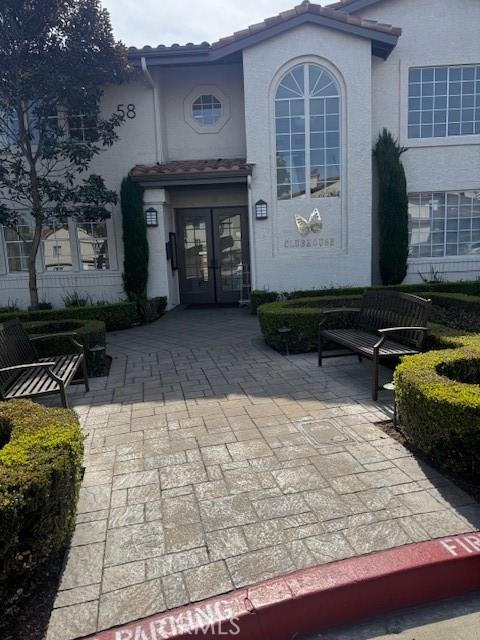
<point x="314" y="223"/>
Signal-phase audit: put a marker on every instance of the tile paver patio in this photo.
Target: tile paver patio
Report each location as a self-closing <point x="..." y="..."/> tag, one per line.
<point x="213" y="462"/>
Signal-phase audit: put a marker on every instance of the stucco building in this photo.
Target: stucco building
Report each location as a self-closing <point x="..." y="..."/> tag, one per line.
<point x="255" y="153"/>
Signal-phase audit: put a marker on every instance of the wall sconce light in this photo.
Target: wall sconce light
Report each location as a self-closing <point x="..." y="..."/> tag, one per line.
<point x="151" y="217"/>
<point x="261" y="210"/>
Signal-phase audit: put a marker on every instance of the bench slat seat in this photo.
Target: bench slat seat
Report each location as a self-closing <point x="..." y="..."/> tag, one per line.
<point x="23" y="374"/>
<point x="363" y="342"/>
<point x="388" y="324"/>
<point x="37" y="382"/>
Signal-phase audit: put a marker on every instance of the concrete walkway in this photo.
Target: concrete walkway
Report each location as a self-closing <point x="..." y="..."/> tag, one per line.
<point x="212" y="462"/>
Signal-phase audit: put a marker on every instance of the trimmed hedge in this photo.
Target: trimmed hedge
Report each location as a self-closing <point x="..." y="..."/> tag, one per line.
<point x="259" y="297"/>
<point x="438" y="403"/>
<point x="119" y="315"/>
<point x="466" y="287"/>
<point x="470" y="303"/>
<point x="89" y="333"/>
<point x="40" y="470"/>
<point x="304" y="314"/>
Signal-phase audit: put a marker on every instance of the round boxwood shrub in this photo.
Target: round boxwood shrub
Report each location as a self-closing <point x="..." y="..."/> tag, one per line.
<point x="40" y="470"/>
<point x="88" y="332"/>
<point x="438" y="403"/>
<point x="302" y="315"/>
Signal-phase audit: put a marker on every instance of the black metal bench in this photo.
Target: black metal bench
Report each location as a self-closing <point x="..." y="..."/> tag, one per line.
<point x="382" y="314"/>
<point x="24" y="375"/>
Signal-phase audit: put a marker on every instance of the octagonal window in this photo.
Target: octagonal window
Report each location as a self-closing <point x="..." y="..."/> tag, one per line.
<point x="207" y="110"/>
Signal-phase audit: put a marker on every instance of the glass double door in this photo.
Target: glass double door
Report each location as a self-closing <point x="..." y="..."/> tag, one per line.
<point x="212" y="254"/>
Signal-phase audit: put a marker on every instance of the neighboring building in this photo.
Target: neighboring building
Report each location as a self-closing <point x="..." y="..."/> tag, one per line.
<point x="238" y="142"/>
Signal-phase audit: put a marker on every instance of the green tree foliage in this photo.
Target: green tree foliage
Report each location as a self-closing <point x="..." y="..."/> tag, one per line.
<point x="135" y="241"/>
<point x="393" y="209"/>
<point x="55" y="58"/>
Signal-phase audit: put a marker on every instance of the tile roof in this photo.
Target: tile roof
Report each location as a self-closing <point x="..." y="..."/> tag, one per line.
<point x="351" y="5"/>
<point x="334" y="18"/>
<point x="192" y="169"/>
<point x="307" y="7"/>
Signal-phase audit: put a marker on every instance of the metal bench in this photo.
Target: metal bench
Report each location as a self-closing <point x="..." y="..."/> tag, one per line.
<point x="382" y="314"/>
<point x="24" y="375"/>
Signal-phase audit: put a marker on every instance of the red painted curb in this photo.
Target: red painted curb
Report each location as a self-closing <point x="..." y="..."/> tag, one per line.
<point x="323" y="596"/>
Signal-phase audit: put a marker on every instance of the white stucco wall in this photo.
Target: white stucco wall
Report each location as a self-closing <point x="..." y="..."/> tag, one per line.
<point x="346" y="220"/>
<point x="179" y="87"/>
<point x="434" y="32"/>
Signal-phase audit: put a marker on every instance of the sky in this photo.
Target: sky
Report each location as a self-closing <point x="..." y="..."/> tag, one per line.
<point x="153" y="22"/>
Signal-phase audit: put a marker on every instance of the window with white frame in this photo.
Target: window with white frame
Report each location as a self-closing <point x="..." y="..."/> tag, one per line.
<point x="307" y="128"/>
<point x="444" y="224"/>
<point x="18" y="243"/>
<point x="207" y="110"/>
<point x="444" y="101"/>
<point x="57" y="248"/>
<point x="82" y="128"/>
<point x="93" y="245"/>
<point x="62" y="242"/>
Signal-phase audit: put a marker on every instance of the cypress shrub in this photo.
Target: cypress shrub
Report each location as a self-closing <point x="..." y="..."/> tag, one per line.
<point x="135" y="266"/>
<point x="393" y="209"/>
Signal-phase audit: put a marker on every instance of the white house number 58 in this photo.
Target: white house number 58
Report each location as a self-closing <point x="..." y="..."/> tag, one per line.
<point x="126" y="111"/>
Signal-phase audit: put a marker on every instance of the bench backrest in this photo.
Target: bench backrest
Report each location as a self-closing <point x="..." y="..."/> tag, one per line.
<point x="383" y="309"/>
<point x="15" y="348"/>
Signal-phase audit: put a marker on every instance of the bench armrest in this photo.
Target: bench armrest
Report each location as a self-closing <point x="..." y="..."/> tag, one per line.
<point x="340" y="310"/>
<point x="40" y="336"/>
<point x="61" y="334"/>
<point x="329" y="312"/>
<point x="393" y="329"/>
<point x="35" y="365"/>
<point x="384" y="332"/>
<point x="31" y="365"/>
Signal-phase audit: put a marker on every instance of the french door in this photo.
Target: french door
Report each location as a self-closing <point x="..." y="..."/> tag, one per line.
<point x="212" y="254"/>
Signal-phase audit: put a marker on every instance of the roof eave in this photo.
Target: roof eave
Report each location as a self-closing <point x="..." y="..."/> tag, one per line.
<point x="382" y="42"/>
<point x="191" y="179"/>
<point x="353" y="6"/>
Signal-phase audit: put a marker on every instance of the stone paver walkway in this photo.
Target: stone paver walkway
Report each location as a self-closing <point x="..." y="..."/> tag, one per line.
<point x="213" y="462"/>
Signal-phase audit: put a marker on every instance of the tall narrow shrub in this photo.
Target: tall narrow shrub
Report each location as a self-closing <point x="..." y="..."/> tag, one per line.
<point x="393" y="209"/>
<point x="135" y="266"/>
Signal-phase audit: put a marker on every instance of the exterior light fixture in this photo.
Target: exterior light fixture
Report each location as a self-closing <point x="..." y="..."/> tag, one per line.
<point x="261" y="210"/>
<point x="151" y="217"/>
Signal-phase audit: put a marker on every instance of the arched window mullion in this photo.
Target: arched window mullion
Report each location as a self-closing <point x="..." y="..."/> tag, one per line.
<point x="316" y="165"/>
<point x="306" y="98"/>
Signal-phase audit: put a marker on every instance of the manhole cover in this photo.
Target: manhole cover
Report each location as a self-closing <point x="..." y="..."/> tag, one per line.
<point x="322" y="432"/>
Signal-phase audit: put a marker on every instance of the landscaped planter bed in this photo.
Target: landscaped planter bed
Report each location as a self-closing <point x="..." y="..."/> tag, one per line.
<point x="118" y="315"/>
<point x="40" y="470"/>
<point x="438" y="403"/>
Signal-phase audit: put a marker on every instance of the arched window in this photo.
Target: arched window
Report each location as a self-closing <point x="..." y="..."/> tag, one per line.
<point x="307" y="127"/>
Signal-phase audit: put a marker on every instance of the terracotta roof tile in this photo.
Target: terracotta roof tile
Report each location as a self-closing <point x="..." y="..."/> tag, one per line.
<point x="330" y="12"/>
<point x="307" y="7"/>
<point x="193" y="167"/>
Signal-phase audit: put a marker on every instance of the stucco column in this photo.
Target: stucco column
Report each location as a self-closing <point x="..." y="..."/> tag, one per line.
<point x="158" y="284"/>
